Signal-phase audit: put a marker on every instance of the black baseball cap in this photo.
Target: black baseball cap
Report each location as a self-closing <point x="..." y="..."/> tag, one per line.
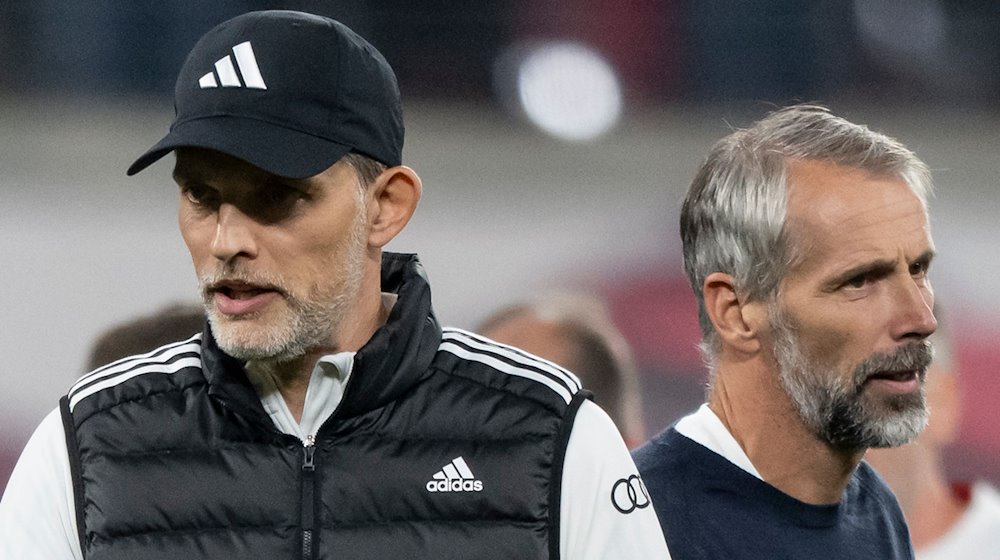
<point x="286" y="91"/>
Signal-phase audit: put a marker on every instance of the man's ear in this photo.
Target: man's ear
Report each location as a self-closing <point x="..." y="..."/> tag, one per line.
<point x="393" y="198"/>
<point x="737" y="321"/>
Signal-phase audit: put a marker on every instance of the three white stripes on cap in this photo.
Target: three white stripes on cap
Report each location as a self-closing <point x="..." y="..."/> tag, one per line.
<point x="228" y="77"/>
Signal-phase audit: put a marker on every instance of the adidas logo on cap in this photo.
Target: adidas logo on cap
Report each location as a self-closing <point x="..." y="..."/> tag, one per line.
<point x="455" y="477"/>
<point x="247" y="63"/>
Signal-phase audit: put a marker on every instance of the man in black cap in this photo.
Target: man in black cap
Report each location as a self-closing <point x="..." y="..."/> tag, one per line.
<point x="323" y="412"/>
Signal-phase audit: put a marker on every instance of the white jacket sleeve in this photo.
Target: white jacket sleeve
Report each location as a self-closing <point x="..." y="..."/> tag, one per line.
<point x="37" y="513"/>
<point x="605" y="512"/>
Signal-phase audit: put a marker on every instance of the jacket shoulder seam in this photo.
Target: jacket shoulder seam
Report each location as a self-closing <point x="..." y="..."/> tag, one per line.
<point x="508" y="360"/>
<point x="167" y="359"/>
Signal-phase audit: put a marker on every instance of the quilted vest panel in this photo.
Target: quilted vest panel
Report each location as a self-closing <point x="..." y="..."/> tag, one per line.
<point x="462" y="466"/>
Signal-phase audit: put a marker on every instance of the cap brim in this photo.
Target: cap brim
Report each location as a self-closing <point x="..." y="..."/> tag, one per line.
<point x="273" y="148"/>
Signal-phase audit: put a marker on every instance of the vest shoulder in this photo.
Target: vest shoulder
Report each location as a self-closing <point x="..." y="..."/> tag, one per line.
<point x="171" y="366"/>
<point x="500" y="367"/>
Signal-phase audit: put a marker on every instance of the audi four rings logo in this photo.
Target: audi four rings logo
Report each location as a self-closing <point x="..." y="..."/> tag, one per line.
<point x="629" y="494"/>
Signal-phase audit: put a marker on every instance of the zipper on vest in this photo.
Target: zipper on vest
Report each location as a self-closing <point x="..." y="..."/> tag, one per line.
<point x="308" y="499"/>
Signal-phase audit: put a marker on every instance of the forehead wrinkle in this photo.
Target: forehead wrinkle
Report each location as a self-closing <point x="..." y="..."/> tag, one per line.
<point x="831" y="205"/>
<point x="899" y="231"/>
<point x="849" y="243"/>
<point x="884" y="209"/>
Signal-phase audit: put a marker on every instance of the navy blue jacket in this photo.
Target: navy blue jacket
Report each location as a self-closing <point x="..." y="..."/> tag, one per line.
<point x="711" y="509"/>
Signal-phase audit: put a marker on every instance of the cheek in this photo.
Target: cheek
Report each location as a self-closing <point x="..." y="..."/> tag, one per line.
<point x="197" y="236"/>
<point x="839" y="347"/>
<point x="327" y="242"/>
<point x="308" y="258"/>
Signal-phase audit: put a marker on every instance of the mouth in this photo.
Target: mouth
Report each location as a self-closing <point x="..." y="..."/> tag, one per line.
<point x="904" y="381"/>
<point x="236" y="298"/>
<point x="905" y="375"/>
<point x="238" y="291"/>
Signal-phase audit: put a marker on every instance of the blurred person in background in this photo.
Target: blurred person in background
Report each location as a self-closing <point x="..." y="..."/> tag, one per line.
<point x="947" y="521"/>
<point x="146" y="333"/>
<point x="325" y="413"/>
<point x="806" y="240"/>
<point x="141" y="334"/>
<point x="575" y="331"/>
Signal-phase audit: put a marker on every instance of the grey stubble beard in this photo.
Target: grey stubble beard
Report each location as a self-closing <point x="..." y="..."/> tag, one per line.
<point x="308" y="322"/>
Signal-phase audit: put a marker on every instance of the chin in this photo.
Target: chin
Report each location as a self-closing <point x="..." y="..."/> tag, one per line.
<point x="249" y="339"/>
<point x="870" y="423"/>
<point x="899" y="427"/>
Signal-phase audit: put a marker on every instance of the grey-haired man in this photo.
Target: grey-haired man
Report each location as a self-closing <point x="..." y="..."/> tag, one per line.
<point x="807" y="243"/>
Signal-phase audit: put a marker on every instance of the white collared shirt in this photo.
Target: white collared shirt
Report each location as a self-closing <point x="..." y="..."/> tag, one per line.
<point x="325" y="391"/>
<point x="704" y="427"/>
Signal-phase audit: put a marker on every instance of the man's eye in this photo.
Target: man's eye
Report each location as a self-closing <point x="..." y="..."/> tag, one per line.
<point x="199" y="194"/>
<point x="279" y="196"/>
<point x="278" y="193"/>
<point x="279" y="200"/>
<point x="858" y="281"/>
<point x="918" y="269"/>
<point x="274" y="202"/>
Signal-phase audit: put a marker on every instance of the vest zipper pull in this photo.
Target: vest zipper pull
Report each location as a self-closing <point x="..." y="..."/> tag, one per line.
<point x="309" y="447"/>
<point x="308" y="498"/>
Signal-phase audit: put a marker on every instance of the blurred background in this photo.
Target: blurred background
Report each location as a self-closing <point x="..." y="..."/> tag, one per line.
<point x="555" y="140"/>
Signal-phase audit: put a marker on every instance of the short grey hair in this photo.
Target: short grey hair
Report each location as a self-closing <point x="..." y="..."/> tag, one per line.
<point x="366" y="168"/>
<point x="733" y="217"/>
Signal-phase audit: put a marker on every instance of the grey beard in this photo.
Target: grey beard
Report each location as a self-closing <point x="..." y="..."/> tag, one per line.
<point x="314" y="317"/>
<point x="838" y="411"/>
<point x="310" y="326"/>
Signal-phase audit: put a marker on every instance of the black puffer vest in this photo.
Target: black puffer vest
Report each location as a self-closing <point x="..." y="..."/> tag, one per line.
<point x="445" y="446"/>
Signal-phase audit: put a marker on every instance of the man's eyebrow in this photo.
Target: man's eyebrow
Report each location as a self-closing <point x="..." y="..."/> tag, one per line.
<point x="926" y="257"/>
<point x="183" y="174"/>
<point x="877" y="267"/>
<point x="303" y="185"/>
<point x="191" y="172"/>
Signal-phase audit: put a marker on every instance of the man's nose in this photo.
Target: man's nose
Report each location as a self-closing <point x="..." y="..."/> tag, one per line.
<point x="234" y="236"/>
<point x="914" y="310"/>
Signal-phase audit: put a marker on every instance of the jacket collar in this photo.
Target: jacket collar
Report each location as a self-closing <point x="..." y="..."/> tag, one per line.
<point x="396" y="357"/>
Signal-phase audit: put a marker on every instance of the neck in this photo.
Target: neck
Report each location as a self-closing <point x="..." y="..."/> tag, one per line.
<point x="749" y="400"/>
<point x="292" y="376"/>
